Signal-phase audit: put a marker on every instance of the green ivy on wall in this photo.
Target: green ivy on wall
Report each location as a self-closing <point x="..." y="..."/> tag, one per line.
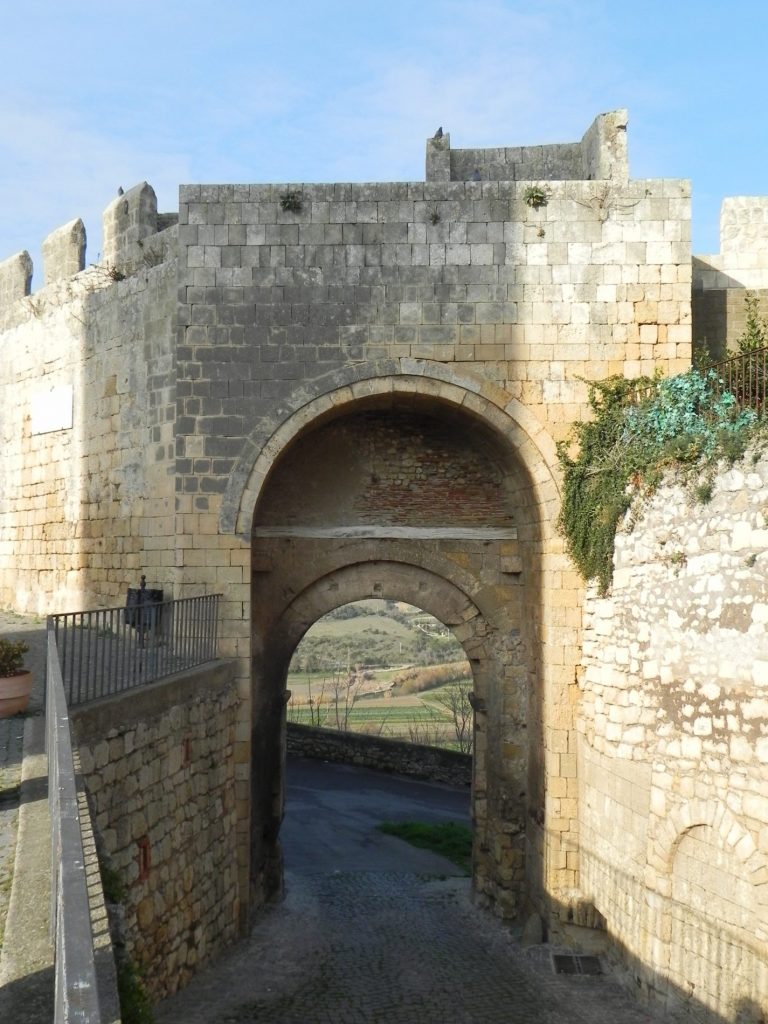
<point x="640" y="429"/>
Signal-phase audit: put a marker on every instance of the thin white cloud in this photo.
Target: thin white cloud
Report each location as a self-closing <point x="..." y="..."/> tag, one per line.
<point x="53" y="169"/>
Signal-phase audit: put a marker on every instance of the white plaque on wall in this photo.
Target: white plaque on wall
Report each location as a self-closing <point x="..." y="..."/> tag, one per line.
<point x="52" y="409"/>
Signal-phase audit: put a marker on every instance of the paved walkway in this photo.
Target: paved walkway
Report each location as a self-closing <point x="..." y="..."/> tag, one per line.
<point x="31" y="630"/>
<point x="357" y="945"/>
<point x="367" y="933"/>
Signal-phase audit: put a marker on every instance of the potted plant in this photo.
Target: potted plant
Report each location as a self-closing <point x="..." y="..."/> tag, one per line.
<point x="15" y="680"/>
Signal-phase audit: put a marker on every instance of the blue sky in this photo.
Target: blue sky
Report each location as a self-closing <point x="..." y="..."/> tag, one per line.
<point x="96" y="95"/>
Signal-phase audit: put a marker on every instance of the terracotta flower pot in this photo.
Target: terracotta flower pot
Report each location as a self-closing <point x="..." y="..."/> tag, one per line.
<point x="14" y="693"/>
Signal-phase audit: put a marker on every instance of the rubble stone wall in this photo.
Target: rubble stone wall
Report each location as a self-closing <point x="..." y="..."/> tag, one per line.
<point x="380" y="753"/>
<point x="159" y="769"/>
<point x="674" y="745"/>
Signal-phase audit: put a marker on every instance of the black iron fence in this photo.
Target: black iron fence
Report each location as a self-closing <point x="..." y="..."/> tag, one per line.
<point x="91" y="655"/>
<point x="76" y="992"/>
<point x="114" y="649"/>
<point x="746" y="377"/>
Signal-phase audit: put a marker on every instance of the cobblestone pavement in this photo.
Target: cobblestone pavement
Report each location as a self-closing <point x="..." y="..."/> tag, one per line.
<point x="367" y="948"/>
<point x="376" y="942"/>
<point x="32" y="631"/>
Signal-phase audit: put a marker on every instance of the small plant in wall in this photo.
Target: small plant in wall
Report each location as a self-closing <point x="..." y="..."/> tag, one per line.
<point x="291" y="202"/>
<point x="434" y="215"/>
<point x="676" y="560"/>
<point x="536" y="196"/>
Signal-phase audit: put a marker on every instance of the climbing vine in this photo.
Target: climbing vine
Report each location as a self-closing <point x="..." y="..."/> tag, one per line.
<point x="683" y="422"/>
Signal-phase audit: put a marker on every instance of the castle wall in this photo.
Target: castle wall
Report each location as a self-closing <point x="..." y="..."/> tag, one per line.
<point x="672" y="776"/>
<point x="86" y="407"/>
<point x="440" y="290"/>
<point x="180" y="388"/>
<point x="721" y="280"/>
<point x="587" y="285"/>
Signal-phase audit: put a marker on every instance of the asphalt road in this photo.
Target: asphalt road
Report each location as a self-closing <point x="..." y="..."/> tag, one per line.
<point x="332" y="811"/>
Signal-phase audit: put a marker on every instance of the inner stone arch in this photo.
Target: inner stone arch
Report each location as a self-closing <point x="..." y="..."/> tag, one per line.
<point x="714" y="909"/>
<point x="405" y="497"/>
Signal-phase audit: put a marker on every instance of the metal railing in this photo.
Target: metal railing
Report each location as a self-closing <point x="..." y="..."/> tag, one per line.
<point x="746" y="377"/>
<point x="76" y="991"/>
<point x="105" y="652"/>
<point x="90" y="655"/>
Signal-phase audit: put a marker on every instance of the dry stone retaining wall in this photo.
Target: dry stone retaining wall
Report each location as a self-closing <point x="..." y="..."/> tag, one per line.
<point x="382" y="754"/>
<point x="674" y="745"/>
<point x="159" y="770"/>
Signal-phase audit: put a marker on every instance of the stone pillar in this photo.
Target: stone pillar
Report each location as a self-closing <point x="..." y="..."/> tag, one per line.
<point x="439" y="158"/>
<point x="64" y="252"/>
<point x="127" y="220"/>
<point x="604" y="147"/>
<point x="15" y="278"/>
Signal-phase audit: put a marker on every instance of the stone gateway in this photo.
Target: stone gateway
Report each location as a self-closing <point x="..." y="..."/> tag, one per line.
<point x="305" y="395"/>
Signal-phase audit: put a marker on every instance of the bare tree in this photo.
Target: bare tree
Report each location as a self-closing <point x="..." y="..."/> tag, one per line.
<point x="344" y="694"/>
<point x="455" y="700"/>
<point x="428" y="731"/>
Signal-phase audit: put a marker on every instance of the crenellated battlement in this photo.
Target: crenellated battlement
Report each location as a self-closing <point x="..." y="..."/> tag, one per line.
<point x="136" y="237"/>
<point x="600" y="155"/>
<point x="64" y="252"/>
<point x="15" y="278"/>
<point x="132" y="227"/>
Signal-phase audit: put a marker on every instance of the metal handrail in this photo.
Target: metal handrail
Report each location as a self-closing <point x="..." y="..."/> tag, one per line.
<point x="95" y="654"/>
<point x="111" y="650"/>
<point x="745" y="376"/>
<point x="76" y="991"/>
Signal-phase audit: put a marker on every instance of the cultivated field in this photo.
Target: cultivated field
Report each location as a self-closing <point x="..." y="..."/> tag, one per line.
<point x="386" y="670"/>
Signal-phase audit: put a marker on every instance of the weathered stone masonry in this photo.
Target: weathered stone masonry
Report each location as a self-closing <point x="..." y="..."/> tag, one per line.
<point x="159" y="771"/>
<point x="674" y="747"/>
<point x="361" y="398"/>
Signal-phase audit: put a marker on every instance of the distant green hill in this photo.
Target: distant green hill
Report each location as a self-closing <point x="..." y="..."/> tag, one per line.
<point x="375" y="633"/>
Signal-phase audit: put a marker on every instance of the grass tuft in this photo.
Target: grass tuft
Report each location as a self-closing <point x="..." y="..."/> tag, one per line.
<point x="449" y="839"/>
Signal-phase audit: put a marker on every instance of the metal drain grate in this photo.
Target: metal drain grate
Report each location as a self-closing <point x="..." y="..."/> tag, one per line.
<point x="572" y="963"/>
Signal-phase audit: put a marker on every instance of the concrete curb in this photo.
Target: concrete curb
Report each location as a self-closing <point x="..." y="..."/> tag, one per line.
<point x="26" y="969"/>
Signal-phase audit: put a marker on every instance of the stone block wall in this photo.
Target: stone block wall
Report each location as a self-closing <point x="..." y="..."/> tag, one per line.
<point x="673" y="756"/>
<point x="595" y="282"/>
<point x="159" y="769"/>
<point x="721" y="280"/>
<point x="86" y="425"/>
<point x="454" y="293"/>
<point x="191" y="379"/>
<point x="601" y="154"/>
